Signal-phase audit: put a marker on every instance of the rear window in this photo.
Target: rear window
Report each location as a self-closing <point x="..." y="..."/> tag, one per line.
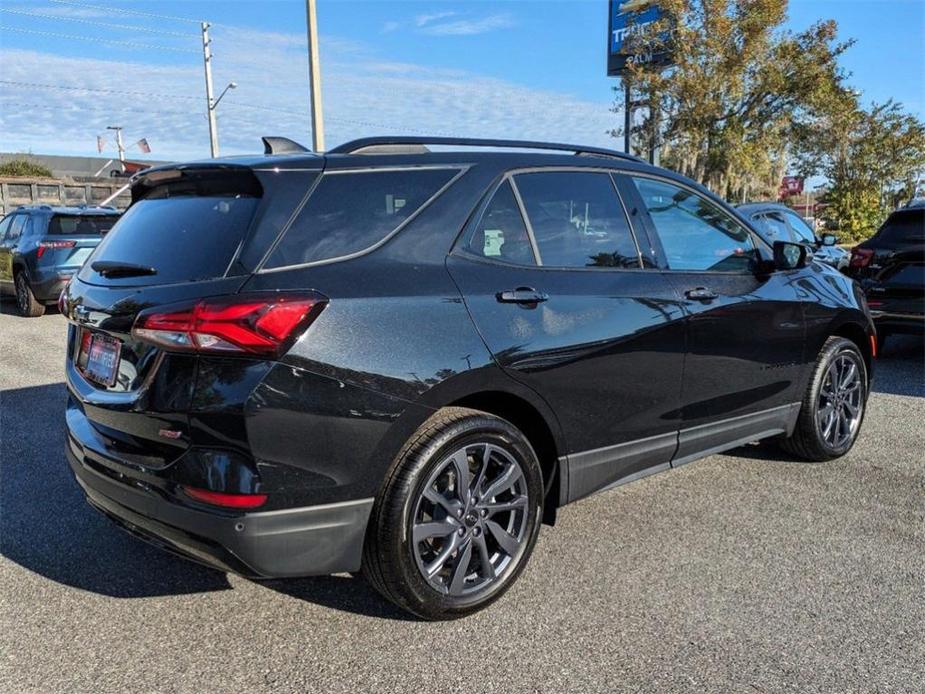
<point x="351" y="212"/>
<point x="907" y="226"/>
<point x="188" y="228"/>
<point x="80" y="225"/>
<point x="185" y="239"/>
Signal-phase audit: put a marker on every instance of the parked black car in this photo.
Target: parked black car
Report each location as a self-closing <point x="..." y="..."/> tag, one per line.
<point x="891" y="269"/>
<point x="777" y="222"/>
<point x="402" y="361"/>
<point x="42" y="246"/>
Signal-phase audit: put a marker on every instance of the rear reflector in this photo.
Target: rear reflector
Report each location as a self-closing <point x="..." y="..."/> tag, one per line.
<point x="265" y="324"/>
<point x="873" y="346"/>
<point x="207" y="496"/>
<point x="861" y="257"/>
<point x="45" y="245"/>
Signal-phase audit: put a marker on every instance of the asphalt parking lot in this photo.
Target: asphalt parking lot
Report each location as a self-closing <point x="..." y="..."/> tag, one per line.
<point x="746" y="572"/>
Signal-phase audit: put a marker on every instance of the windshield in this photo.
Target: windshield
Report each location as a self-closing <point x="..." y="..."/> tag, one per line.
<point x="801" y="228"/>
<point x="81" y="224"/>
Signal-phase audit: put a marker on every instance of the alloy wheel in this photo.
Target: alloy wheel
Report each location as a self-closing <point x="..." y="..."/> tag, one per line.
<point x="22" y="295"/>
<point x="470" y="519"/>
<point x="840" y="405"/>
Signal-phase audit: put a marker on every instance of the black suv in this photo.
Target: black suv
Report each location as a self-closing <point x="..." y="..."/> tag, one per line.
<point x="891" y="269"/>
<point x="42" y="246"/>
<point x="403" y="361"/>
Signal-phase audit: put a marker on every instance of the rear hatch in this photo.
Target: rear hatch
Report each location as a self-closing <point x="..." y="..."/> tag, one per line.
<point x="898" y="285"/>
<point x="70" y="239"/>
<point x="183" y="238"/>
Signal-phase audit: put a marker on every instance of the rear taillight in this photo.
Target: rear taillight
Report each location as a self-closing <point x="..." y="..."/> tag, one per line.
<point x="46" y="245"/>
<point x="861" y="257"/>
<point x="262" y="324"/>
<point x="242" y="501"/>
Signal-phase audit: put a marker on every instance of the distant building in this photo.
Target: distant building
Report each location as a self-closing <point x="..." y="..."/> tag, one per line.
<point x="73" y="167"/>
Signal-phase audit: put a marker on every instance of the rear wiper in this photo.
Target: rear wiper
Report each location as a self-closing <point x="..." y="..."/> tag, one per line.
<point x="113" y="268"/>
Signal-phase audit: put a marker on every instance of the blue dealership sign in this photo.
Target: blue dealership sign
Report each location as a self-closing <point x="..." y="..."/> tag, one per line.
<point x="628" y="17"/>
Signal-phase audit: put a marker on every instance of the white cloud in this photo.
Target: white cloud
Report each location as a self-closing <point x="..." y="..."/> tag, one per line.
<point x="364" y="94"/>
<point x="424" y="19"/>
<point x="470" y="27"/>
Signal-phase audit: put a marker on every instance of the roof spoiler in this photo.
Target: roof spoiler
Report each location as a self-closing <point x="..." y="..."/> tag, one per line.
<point x="282" y="145"/>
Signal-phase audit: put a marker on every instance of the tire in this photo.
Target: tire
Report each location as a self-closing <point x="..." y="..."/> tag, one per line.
<point x="484" y="543"/>
<point x="834" y="404"/>
<point x="26" y="303"/>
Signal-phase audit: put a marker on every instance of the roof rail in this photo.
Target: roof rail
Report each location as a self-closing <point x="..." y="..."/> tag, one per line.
<point x="374" y="143"/>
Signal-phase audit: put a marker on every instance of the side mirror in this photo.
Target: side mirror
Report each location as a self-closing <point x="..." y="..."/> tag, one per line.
<point x="829" y="239"/>
<point x="789" y="256"/>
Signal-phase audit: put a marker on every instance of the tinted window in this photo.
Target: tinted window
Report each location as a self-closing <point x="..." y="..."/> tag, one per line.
<point x="4" y="225"/>
<point x="907" y="226"/>
<point x="184" y="238"/>
<point x="350" y="212"/>
<point x="16" y="227"/>
<point x="501" y="233"/>
<point x="801" y="229"/>
<point x="695" y="233"/>
<point x="81" y="225"/>
<point x="773" y="227"/>
<point x="577" y="219"/>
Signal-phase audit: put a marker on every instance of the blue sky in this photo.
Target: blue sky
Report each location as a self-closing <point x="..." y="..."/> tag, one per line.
<point x="506" y="69"/>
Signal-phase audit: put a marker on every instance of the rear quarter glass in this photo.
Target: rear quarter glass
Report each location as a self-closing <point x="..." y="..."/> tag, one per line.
<point x="350" y="212"/>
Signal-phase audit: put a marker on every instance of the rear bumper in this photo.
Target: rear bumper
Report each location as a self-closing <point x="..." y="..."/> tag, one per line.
<point x="47" y="286"/>
<point x="306" y="541"/>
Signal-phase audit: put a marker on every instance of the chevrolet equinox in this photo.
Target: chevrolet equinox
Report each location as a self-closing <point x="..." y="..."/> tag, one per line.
<point x="403" y="356"/>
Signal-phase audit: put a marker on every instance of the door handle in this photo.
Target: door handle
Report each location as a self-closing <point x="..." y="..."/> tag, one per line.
<point x="701" y="294"/>
<point x="521" y="295"/>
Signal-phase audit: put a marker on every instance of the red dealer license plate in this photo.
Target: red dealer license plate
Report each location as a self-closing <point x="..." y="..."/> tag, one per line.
<point x="99" y="357"/>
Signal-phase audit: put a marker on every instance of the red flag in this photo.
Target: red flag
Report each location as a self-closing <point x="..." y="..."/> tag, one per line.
<point x="100" y="143"/>
<point x="144" y="146"/>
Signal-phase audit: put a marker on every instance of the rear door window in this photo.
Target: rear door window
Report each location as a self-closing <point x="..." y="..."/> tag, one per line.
<point x="577" y="220"/>
<point x="352" y="212"/>
<point x="81" y="225"/>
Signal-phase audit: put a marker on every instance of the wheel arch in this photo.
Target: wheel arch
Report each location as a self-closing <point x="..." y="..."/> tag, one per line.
<point x="535" y="427"/>
<point x="851" y="330"/>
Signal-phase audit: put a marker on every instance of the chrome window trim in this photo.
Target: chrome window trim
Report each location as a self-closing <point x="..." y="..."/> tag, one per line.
<point x="509" y="176"/>
<point x="460" y="169"/>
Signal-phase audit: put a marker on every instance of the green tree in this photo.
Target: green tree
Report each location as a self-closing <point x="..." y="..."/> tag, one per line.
<point x="874" y="160"/>
<point x="24" y="168"/>
<point x="740" y="84"/>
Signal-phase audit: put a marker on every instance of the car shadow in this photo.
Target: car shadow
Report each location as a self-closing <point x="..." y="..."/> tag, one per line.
<point x="8" y="307"/>
<point x="900" y="367"/>
<point x="48" y="528"/>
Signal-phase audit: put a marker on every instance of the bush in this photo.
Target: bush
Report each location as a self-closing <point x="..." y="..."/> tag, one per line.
<point x="24" y="168"/>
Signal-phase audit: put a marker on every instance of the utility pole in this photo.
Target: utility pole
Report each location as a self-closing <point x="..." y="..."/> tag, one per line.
<point x="210" y="104"/>
<point x="119" y="145"/>
<point x="314" y="77"/>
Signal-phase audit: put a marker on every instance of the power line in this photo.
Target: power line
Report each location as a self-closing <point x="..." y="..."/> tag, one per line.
<point x="101" y="90"/>
<point x="123" y="10"/>
<point x="93" y="39"/>
<point x="94" y="22"/>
